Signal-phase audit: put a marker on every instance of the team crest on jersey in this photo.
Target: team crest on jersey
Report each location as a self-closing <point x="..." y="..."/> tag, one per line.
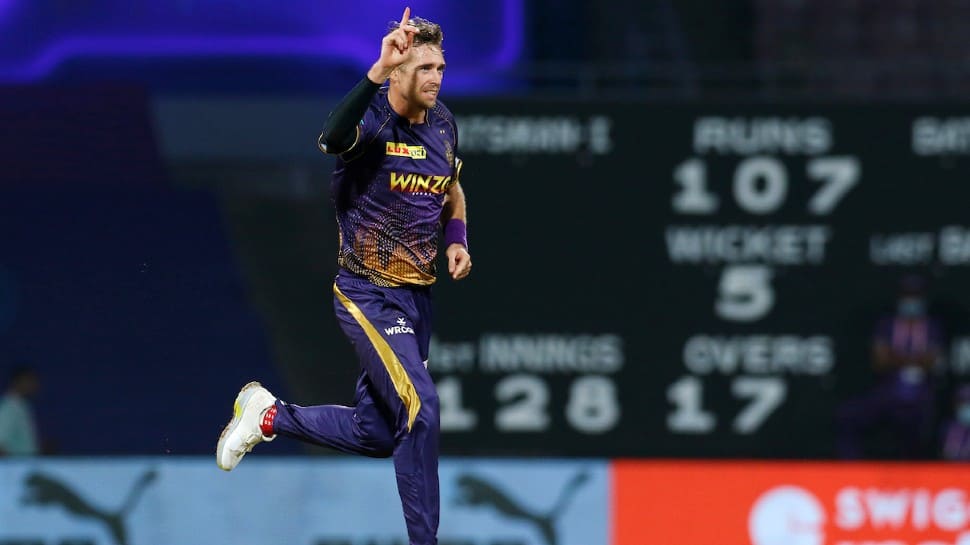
<point x="400" y="149"/>
<point x="449" y="153"/>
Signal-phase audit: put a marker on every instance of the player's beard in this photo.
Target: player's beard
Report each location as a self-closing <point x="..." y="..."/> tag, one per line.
<point x="427" y="97"/>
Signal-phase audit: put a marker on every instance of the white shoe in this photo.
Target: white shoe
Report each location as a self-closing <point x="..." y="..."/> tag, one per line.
<point x="242" y="433"/>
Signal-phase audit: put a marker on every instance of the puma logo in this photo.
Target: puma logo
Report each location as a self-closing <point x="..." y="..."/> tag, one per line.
<point x="476" y="492"/>
<point x="44" y="490"/>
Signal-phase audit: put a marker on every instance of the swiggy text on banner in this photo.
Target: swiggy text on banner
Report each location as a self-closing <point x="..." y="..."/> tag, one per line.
<point x="770" y="503"/>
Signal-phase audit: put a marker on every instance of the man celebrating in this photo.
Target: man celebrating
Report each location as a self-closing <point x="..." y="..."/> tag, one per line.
<point x="395" y="185"/>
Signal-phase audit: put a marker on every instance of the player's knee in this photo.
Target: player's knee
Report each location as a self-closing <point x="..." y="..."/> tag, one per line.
<point x="376" y="439"/>
<point x="377" y="445"/>
<point x="380" y="448"/>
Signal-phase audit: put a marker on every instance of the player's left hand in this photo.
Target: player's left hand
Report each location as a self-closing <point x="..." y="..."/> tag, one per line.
<point x="459" y="261"/>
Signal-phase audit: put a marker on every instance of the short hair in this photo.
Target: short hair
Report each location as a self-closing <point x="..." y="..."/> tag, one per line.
<point x="428" y="32"/>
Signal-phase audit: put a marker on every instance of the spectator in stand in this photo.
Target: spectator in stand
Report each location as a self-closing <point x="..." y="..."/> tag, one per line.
<point x="956" y="433"/>
<point x="18" y="429"/>
<point x="906" y="346"/>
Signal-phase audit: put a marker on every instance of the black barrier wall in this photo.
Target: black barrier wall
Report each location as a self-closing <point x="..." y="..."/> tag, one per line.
<point x="665" y="280"/>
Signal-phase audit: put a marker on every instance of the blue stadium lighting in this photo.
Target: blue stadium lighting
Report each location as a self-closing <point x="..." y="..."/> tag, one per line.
<point x="41" y="36"/>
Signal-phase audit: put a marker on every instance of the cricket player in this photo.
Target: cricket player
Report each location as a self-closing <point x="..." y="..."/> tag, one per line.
<point x="395" y="187"/>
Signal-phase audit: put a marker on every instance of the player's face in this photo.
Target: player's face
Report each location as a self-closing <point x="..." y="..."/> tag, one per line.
<point x="420" y="79"/>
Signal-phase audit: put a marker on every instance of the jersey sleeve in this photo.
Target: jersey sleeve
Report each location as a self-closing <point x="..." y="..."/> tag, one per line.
<point x="457" y="169"/>
<point x="457" y="163"/>
<point x="343" y="129"/>
<point x="367" y="129"/>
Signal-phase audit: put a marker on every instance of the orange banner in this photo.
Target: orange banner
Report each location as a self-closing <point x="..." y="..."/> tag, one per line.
<point x="770" y="503"/>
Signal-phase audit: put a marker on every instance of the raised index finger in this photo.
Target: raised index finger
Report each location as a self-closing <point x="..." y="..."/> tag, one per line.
<point x="406" y="16"/>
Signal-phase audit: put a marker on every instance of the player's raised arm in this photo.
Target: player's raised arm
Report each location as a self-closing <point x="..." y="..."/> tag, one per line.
<point x="341" y="133"/>
<point x="395" y="49"/>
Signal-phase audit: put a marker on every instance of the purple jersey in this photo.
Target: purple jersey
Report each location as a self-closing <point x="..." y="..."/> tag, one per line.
<point x="388" y="191"/>
<point x="911" y="337"/>
<point x="956" y="442"/>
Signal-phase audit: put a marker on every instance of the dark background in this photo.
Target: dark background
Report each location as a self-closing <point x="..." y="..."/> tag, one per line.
<point x="168" y="233"/>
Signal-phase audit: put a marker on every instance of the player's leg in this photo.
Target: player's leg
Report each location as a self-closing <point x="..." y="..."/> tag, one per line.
<point x="258" y="416"/>
<point x="421" y="300"/>
<point x="395" y="364"/>
<point x="359" y="429"/>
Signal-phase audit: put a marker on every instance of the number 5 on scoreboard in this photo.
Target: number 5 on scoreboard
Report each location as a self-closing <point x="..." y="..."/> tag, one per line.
<point x="745" y="293"/>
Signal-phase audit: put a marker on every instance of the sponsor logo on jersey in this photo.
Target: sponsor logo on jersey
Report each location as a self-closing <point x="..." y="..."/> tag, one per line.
<point x="400" y="329"/>
<point x="419" y="183"/>
<point x="400" y="149"/>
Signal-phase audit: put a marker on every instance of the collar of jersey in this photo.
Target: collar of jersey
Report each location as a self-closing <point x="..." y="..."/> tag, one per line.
<point x="386" y="103"/>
